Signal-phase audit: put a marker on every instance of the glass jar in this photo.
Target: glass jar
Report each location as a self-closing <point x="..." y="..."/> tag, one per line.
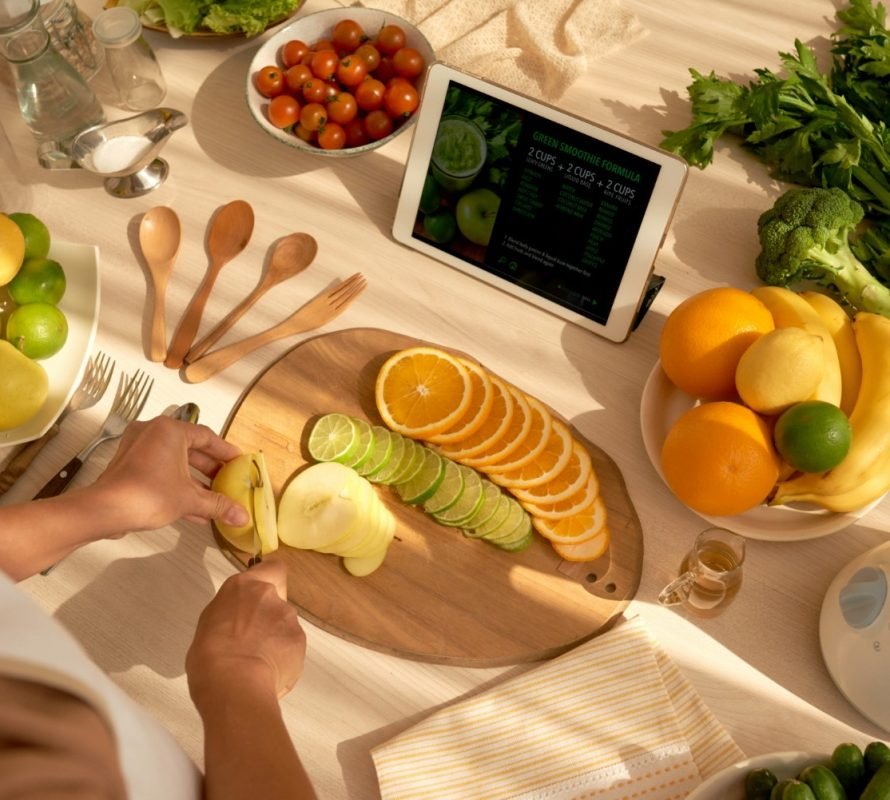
<point x="129" y="60"/>
<point x="71" y="33"/>
<point x="54" y="98"/>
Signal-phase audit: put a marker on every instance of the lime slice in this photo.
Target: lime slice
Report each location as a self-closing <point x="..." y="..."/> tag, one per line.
<point x="424" y="484"/>
<point x="412" y="464"/>
<point x="521" y="540"/>
<point x="398" y="460"/>
<point x="467" y="504"/>
<point x="515" y="519"/>
<point x="365" y="445"/>
<point x="491" y="495"/>
<point x="449" y="490"/>
<point x="499" y="515"/>
<point x="334" y="437"/>
<point x="380" y="454"/>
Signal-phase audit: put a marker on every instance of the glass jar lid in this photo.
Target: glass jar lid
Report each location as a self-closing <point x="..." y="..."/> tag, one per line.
<point x="117" y="27"/>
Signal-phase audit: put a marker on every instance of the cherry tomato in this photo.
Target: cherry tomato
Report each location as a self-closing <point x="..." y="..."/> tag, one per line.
<point x="315" y="90"/>
<point x="369" y="94"/>
<point x="385" y="70"/>
<point x="332" y="137"/>
<point x="284" y="111"/>
<point x="408" y="62"/>
<point x="296" y="76"/>
<point x="390" y="39"/>
<point x="356" y="135"/>
<point x="293" y="52"/>
<point x="269" y="82"/>
<point x="324" y="64"/>
<point x="351" y="71"/>
<point x="342" y="109"/>
<point x="378" y="124"/>
<point x="307" y="59"/>
<point x="323" y="44"/>
<point x="306" y="135"/>
<point x="313" y="117"/>
<point x="401" y="100"/>
<point x="369" y="54"/>
<point x="347" y="35"/>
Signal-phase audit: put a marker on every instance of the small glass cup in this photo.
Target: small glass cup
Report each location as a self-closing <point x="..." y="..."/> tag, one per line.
<point x="711" y="574"/>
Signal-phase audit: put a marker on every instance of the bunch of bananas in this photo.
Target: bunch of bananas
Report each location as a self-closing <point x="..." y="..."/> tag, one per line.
<point x="856" y="378"/>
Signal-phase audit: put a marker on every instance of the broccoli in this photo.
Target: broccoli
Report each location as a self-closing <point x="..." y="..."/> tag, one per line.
<point x="805" y="237"/>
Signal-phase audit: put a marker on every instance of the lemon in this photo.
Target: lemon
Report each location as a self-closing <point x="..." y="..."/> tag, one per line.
<point x="23" y="387"/>
<point x="40" y="280"/>
<point x="37" y="238"/>
<point x="39" y="330"/>
<point x="813" y="436"/>
<point x="12" y="249"/>
<point x="781" y="368"/>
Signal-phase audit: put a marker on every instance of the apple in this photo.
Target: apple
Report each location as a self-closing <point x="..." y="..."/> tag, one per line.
<point x="245" y="480"/>
<point x="475" y="213"/>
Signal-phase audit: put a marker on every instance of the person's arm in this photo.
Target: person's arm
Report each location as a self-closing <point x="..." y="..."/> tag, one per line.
<point x="248" y="652"/>
<point x="149" y="483"/>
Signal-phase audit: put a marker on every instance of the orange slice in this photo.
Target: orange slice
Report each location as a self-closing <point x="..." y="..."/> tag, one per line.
<point x="495" y="426"/>
<point x="531" y="446"/>
<point x="568" y="482"/>
<point x="422" y="391"/>
<point x="585" y="551"/>
<point x="571" y="505"/>
<point x="513" y="437"/>
<point x="480" y="405"/>
<point x="551" y="461"/>
<point x="578" y="528"/>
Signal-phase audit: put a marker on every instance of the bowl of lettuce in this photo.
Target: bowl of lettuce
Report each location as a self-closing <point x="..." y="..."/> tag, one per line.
<point x="213" y="18"/>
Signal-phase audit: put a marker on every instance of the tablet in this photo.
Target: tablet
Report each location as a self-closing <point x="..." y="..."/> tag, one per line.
<point x="551" y="208"/>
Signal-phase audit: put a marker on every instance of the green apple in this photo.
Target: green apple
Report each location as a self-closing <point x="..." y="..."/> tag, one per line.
<point x="440" y="226"/>
<point x="475" y="213"/>
<point x="245" y="480"/>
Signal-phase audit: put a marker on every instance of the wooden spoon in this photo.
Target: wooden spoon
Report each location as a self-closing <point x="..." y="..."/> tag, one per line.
<point x="159" y="237"/>
<point x="290" y="256"/>
<point x="229" y="234"/>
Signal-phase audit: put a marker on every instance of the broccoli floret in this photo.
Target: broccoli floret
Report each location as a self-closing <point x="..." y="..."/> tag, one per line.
<point x="805" y="238"/>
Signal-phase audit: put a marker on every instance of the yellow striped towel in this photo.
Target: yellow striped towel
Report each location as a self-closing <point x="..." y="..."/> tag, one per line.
<point x="613" y="719"/>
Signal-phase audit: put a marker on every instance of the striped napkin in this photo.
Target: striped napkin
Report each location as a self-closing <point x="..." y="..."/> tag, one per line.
<point x="612" y="719"/>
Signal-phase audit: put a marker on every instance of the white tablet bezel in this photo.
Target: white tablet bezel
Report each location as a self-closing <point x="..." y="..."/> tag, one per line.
<point x="653" y="227"/>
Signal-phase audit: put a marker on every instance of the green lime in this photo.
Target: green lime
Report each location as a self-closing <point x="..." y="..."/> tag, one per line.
<point x="398" y="459"/>
<point x="424" y="484"/>
<point x="441" y="226"/>
<point x="430" y="195"/>
<point x="467" y="504"/>
<point x="365" y="445"/>
<point x="380" y="453"/>
<point x="759" y="783"/>
<point x="36" y="234"/>
<point x="39" y="330"/>
<point x="449" y="490"/>
<point x="40" y="280"/>
<point x="813" y="436"/>
<point x="334" y="437"/>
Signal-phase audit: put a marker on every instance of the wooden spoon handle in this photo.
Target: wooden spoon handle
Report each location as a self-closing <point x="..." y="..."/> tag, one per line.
<point x="188" y="325"/>
<point x="199" y="348"/>
<point x="157" y="344"/>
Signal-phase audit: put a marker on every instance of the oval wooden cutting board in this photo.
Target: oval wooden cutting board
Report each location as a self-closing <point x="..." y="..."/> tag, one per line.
<point x="439" y="596"/>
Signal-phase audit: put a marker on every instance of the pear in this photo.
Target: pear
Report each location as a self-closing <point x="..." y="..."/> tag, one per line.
<point x="24" y="386"/>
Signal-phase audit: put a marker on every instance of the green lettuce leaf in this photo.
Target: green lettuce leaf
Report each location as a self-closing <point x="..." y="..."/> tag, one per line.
<point x="248" y="16"/>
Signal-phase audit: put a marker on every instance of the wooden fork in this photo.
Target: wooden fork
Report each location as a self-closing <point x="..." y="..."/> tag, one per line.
<point x="321" y="309"/>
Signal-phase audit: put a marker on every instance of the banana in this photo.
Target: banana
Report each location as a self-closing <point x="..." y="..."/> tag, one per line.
<point x="864" y="475"/>
<point x="790" y="310"/>
<point x="840" y="326"/>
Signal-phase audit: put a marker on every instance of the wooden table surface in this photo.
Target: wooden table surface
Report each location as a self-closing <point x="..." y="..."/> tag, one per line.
<point x="134" y="602"/>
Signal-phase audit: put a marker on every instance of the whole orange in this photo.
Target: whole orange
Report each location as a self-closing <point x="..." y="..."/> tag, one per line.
<point x="718" y="459"/>
<point x="704" y="337"/>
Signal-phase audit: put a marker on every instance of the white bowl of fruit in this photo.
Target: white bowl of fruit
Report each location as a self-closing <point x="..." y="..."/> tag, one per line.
<point x="339" y="82"/>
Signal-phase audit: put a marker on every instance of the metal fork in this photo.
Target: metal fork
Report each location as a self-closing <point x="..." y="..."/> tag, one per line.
<point x="93" y="384"/>
<point x="128" y="402"/>
<point x="319" y="310"/>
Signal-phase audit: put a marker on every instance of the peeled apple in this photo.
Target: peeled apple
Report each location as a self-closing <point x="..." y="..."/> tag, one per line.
<point x="245" y="480"/>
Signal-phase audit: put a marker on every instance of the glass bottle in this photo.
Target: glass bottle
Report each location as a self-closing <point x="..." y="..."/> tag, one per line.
<point x="54" y="98"/>
<point x="129" y="60"/>
<point x="71" y="33"/>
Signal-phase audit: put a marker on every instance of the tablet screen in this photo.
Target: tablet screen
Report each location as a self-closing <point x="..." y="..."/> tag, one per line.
<point x="547" y="208"/>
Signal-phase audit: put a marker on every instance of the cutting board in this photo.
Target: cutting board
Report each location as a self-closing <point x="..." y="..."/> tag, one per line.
<point x="438" y="597"/>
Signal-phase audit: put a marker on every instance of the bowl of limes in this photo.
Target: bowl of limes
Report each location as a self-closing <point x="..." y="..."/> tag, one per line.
<point x="49" y="304"/>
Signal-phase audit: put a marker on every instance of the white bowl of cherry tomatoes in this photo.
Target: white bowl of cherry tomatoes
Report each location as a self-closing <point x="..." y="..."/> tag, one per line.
<point x="339" y="82"/>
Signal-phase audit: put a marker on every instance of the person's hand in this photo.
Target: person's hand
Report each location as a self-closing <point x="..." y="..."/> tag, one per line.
<point x="248" y="639"/>
<point x="150" y="480"/>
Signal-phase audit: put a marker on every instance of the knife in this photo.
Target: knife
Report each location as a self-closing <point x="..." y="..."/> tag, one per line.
<point x="257" y="556"/>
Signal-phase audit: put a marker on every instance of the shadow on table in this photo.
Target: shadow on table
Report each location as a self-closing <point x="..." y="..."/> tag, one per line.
<point x="153" y="628"/>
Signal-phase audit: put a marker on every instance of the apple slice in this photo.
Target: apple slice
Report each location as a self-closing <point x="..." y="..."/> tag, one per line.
<point x="264" y="511"/>
<point x="245" y="480"/>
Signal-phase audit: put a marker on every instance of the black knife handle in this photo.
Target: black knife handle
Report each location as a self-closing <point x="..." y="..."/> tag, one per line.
<point x="58" y="483"/>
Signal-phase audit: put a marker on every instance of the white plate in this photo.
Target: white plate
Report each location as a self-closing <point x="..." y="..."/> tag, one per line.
<point x="80" y="305"/>
<point x="729" y="784"/>
<point x="662" y="404"/>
